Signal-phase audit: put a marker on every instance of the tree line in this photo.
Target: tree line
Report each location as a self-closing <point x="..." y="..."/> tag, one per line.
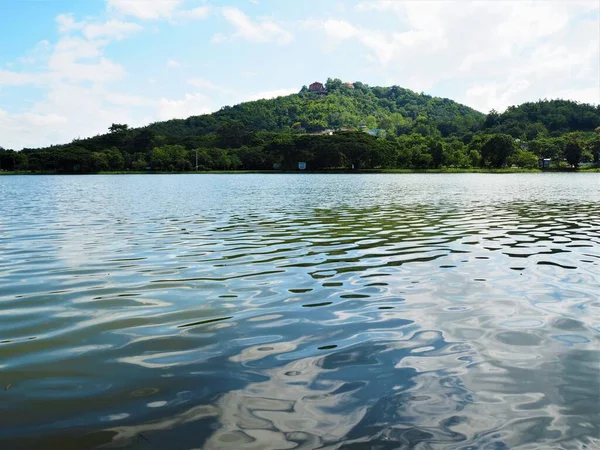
<point x="358" y="127"/>
<point x="235" y="148"/>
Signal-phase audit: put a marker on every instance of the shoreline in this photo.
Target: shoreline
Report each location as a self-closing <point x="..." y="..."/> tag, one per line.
<point x="333" y="171"/>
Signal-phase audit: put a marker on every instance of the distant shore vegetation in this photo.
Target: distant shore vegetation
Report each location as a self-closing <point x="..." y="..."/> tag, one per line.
<point x="346" y="127"/>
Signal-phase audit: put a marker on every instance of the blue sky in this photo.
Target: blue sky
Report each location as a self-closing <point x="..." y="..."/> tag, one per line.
<point x="70" y="68"/>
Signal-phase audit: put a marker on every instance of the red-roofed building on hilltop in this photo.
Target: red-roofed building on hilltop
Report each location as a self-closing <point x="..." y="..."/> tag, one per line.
<point x="317" y="88"/>
<point x="350" y="85"/>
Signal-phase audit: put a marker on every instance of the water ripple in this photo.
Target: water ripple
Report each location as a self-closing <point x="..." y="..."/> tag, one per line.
<point x="408" y="311"/>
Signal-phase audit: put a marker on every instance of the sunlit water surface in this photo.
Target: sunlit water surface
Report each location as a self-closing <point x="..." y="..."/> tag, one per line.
<point x="300" y="311"/>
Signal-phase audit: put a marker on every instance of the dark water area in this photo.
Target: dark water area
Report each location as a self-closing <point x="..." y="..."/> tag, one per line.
<point x="426" y="311"/>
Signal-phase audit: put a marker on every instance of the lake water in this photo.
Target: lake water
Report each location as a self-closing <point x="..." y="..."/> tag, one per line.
<point x="457" y="311"/>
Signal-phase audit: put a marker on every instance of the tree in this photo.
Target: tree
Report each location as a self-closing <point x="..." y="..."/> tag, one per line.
<point x="21" y="161"/>
<point x="74" y="159"/>
<point x="233" y="135"/>
<point x="169" y="157"/>
<point x="99" y="162"/>
<point x="139" y="163"/>
<point x="455" y="154"/>
<point x="7" y="159"/>
<point x="114" y="158"/>
<point x="573" y="152"/>
<point x="333" y="84"/>
<point x="492" y="119"/>
<point x="474" y="158"/>
<point x="497" y="149"/>
<point x="118" y="128"/>
<point x="523" y="158"/>
<point x="594" y="146"/>
<point x="370" y="122"/>
<point x="436" y="149"/>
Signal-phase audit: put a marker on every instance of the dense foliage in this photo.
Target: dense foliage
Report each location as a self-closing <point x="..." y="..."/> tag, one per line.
<point x="543" y="119"/>
<point x="393" y="109"/>
<point x="352" y="128"/>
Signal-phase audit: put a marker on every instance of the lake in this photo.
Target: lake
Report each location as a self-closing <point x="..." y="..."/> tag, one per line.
<point x="427" y="311"/>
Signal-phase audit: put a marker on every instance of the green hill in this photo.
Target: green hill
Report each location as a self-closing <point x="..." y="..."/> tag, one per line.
<point x="393" y="109"/>
<point x="341" y="126"/>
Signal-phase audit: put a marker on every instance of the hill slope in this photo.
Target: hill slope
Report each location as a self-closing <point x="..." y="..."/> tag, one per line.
<point x="393" y="109"/>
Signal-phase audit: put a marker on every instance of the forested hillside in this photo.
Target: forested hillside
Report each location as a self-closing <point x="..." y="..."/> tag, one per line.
<point x="543" y="119"/>
<point x="393" y="109"/>
<point x="348" y="126"/>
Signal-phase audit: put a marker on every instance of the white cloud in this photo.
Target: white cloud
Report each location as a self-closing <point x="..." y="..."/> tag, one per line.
<point x="206" y="85"/>
<point x="218" y="38"/>
<point x="71" y="110"/>
<point x="75" y="74"/>
<point x="171" y="63"/>
<point x="11" y="78"/>
<point x="202" y="83"/>
<point x="67" y="23"/>
<point x="190" y="105"/>
<point x="584" y="95"/>
<point x="200" y="12"/>
<point x="113" y="29"/>
<point x="340" y="6"/>
<point x="43" y="128"/>
<point x="495" y="95"/>
<point x="271" y="94"/>
<point x="265" y="30"/>
<point x="72" y="58"/>
<point x="127" y="100"/>
<point x="65" y="61"/>
<point x="339" y="29"/>
<point x="144" y="9"/>
<point x="38" y="53"/>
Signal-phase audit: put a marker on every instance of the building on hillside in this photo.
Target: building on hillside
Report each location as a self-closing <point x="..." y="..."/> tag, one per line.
<point x="378" y="132"/>
<point x="350" y="85"/>
<point x="317" y="88"/>
<point x="327" y="132"/>
<point x="522" y="145"/>
<point x="544" y="163"/>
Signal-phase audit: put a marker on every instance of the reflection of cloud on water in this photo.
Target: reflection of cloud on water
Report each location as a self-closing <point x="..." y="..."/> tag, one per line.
<point x="127" y="433"/>
<point x="531" y="379"/>
<point x="320" y="401"/>
<point x="292" y="409"/>
<point x="295" y="408"/>
<point x="414" y="390"/>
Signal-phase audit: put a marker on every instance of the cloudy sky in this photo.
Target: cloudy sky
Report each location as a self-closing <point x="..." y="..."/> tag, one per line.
<point x="70" y="68"/>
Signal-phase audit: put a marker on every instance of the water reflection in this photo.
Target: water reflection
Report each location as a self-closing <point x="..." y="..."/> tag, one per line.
<point x="300" y="312"/>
